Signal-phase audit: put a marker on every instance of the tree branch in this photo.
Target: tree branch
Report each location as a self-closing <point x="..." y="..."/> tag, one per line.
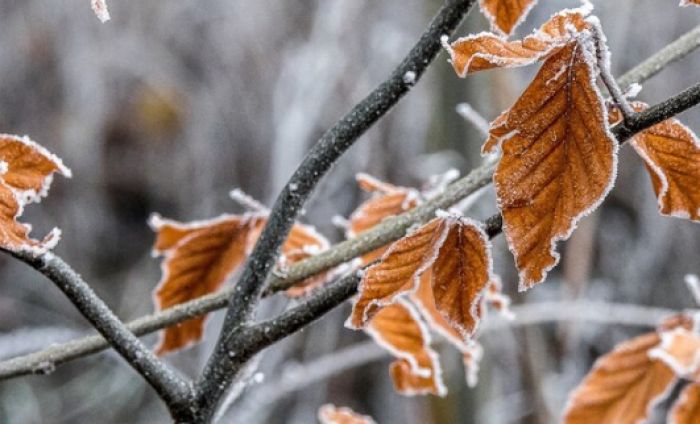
<point x="174" y="391"/>
<point x="218" y="373"/>
<point x="389" y="231"/>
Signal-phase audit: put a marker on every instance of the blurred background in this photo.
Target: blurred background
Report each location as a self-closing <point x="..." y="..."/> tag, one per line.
<point x="173" y="103"/>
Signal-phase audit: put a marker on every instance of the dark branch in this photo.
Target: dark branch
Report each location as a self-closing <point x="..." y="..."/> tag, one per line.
<point x="174" y="391"/>
<point x="215" y="378"/>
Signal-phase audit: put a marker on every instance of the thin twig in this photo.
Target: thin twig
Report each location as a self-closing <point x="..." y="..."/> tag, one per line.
<point x="390" y="230"/>
<point x="221" y="368"/>
<point x="174" y="390"/>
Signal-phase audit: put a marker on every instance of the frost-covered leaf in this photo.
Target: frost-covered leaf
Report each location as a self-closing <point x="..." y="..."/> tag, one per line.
<point x="559" y="158"/>
<point x="686" y="410"/>
<point x="671" y="153"/>
<point x="690" y="3"/>
<point x="200" y="256"/>
<point x="399" y="329"/>
<point x="100" y="9"/>
<point x="454" y="251"/>
<point x="622" y="387"/>
<point x="26" y="173"/>
<point x="387" y="200"/>
<point x="331" y="414"/>
<point x="680" y="350"/>
<point x="399" y="270"/>
<point x="487" y="51"/>
<point x="505" y="15"/>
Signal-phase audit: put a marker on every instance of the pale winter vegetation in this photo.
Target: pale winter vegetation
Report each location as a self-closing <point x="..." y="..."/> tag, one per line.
<point x="516" y="242"/>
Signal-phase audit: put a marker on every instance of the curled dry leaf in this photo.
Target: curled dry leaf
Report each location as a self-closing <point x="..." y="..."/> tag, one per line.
<point x="671" y="153"/>
<point x="559" y="158"/>
<point x="331" y="414"/>
<point x="457" y="254"/>
<point x="506" y="15"/>
<point x="200" y="256"/>
<point x="387" y="200"/>
<point x="622" y="386"/>
<point x="26" y="173"/>
<point x="686" y="410"/>
<point x="487" y="51"/>
<point x="399" y="329"/>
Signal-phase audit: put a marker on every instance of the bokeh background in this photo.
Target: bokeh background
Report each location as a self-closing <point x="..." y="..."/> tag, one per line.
<point x="173" y="103"/>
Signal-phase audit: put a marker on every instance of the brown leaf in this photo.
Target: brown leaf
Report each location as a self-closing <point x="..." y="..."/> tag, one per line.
<point x="388" y="200"/>
<point x="680" y="350"/>
<point x="398" y="329"/>
<point x="686" y="410"/>
<point x="398" y="271"/>
<point x="559" y="158"/>
<point x="505" y="15"/>
<point x="622" y="387"/>
<point x="27" y="171"/>
<point x="690" y="3"/>
<point x="331" y="414"/>
<point x="487" y="51"/>
<point x="671" y="153"/>
<point x="200" y="256"/>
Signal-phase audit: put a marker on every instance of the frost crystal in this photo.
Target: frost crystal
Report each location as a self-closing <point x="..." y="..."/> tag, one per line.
<point x="409" y="78"/>
<point x="101" y="11"/>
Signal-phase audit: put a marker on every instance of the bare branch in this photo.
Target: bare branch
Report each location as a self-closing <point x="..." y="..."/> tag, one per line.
<point x="390" y="230"/>
<point x="174" y="391"/>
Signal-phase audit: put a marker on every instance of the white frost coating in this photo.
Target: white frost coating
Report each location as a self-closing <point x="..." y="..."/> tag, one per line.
<point x="247" y="201"/>
<point x="472" y="358"/>
<point x="588" y="51"/>
<point x="558" y="74"/>
<point x="466" y="111"/>
<point x="693" y="283"/>
<point x="661" y="353"/>
<point x="101" y="11"/>
<point x="633" y="90"/>
<point x="340" y="222"/>
<point x="409" y="78"/>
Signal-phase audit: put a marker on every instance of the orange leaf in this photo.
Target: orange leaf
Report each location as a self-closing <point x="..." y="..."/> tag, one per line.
<point x="26" y="173"/>
<point x="622" y="387"/>
<point x="398" y="271"/>
<point x="559" y="158"/>
<point x="686" y="410"/>
<point x="330" y="414"/>
<point x="487" y="51"/>
<point x="690" y="2"/>
<point x="680" y="350"/>
<point x="671" y="153"/>
<point x="388" y="200"/>
<point x="505" y="15"/>
<point x="200" y="256"/>
<point x="398" y="329"/>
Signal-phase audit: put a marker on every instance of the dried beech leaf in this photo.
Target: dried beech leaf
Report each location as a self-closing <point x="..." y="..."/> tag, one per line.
<point x="461" y="273"/>
<point x="195" y="264"/>
<point x="398" y="329"/>
<point x="487" y="51"/>
<point x="559" y="158"/>
<point x="26" y="173"/>
<point x="331" y="414"/>
<point x="622" y="387"/>
<point x="671" y="153"/>
<point x="686" y="410"/>
<point x="388" y="200"/>
<point x="690" y="3"/>
<point x="680" y="350"/>
<point x="200" y="256"/>
<point x="398" y="271"/>
<point x="505" y="15"/>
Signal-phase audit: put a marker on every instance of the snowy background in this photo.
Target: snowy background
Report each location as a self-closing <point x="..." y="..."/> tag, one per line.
<point x="175" y="102"/>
